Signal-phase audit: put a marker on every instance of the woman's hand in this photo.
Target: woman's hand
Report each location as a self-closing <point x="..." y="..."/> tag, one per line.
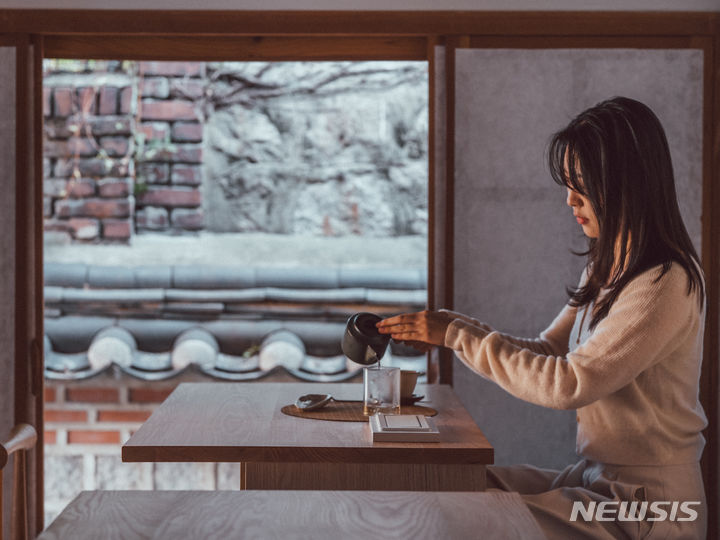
<point x="423" y="327"/>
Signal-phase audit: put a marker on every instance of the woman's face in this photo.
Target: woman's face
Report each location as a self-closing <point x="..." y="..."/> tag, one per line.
<point x="582" y="209"/>
<point x="583" y="212"/>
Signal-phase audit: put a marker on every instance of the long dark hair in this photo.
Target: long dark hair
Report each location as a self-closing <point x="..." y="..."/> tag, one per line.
<point x="626" y="173"/>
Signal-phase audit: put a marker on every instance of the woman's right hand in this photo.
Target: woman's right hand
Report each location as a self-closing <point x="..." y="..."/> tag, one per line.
<point x="426" y="327"/>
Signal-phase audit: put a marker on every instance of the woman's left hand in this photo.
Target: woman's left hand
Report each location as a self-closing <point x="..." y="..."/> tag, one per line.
<point x="423" y="326"/>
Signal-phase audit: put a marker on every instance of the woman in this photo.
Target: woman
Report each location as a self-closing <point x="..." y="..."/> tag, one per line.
<point x="625" y="351"/>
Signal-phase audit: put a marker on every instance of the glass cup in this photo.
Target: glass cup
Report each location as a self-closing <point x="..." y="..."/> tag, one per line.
<point x="381" y="390"/>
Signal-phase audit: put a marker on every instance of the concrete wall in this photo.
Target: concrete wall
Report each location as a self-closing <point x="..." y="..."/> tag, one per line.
<point x="513" y="230"/>
<point x="470" y="5"/>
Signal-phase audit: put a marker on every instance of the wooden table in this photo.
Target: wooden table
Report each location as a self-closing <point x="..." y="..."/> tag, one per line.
<point x="286" y="515"/>
<point x="242" y="422"/>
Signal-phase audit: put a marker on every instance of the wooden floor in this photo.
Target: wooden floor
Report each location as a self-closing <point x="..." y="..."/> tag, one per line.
<point x="264" y="515"/>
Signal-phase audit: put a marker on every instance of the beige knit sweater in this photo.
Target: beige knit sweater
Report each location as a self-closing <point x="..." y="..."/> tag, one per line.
<point x="634" y="379"/>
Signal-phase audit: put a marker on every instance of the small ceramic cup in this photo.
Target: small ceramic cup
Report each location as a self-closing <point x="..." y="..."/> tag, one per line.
<point x="408" y="380"/>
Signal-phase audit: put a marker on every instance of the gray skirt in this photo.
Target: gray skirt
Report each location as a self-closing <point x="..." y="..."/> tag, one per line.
<point x="655" y="502"/>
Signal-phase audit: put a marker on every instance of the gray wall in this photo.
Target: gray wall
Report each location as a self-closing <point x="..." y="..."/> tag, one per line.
<point x="513" y="230"/>
<point x="7" y="250"/>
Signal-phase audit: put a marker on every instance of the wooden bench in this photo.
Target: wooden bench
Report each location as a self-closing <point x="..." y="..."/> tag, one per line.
<point x="172" y="515"/>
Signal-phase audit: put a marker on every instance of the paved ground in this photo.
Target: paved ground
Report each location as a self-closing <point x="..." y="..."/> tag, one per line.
<point x="248" y="248"/>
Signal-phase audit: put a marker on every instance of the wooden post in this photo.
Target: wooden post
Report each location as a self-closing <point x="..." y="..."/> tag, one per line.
<point x="22" y="438"/>
<point x="19" y="522"/>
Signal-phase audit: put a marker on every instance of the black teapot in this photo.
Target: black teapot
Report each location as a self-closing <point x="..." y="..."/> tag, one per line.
<point x="362" y="343"/>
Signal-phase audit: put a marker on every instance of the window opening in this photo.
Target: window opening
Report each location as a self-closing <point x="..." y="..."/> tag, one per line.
<point x="217" y="221"/>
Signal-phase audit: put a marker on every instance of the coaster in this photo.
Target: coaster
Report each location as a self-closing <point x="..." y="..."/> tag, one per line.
<point x="349" y="411"/>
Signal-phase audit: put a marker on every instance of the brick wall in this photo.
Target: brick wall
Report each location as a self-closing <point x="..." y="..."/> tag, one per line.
<point x="122" y="149"/>
<point x="86" y="423"/>
<point x="88" y="147"/>
<point x="169" y="162"/>
<point x="97" y="413"/>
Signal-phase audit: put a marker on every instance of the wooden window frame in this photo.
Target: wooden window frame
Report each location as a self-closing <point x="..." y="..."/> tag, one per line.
<point x="411" y="35"/>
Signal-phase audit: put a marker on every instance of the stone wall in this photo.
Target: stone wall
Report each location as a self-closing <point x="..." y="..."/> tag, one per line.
<point x="323" y="149"/>
<point x="332" y="148"/>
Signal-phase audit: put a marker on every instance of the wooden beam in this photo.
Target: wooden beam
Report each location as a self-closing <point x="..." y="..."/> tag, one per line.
<point x="234" y="48"/>
<point x="432" y="364"/>
<point x="446" y="227"/>
<point x="349" y="22"/>
<point x="37" y="383"/>
<point x="710" y="379"/>
<point x="588" y="42"/>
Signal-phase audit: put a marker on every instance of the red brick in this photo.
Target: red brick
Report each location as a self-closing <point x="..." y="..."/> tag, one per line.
<point x="123" y="416"/>
<point x="86" y="436"/>
<point x="87" y="100"/>
<point x="187" y="132"/>
<point x="127" y="100"/>
<point x="114" y="187"/>
<point x="97" y="208"/>
<point x="84" y="228"/>
<point x="75" y="146"/>
<point x="65" y="416"/>
<point x="50" y="437"/>
<point x="64" y="168"/>
<point x="60" y="128"/>
<point x="111" y="125"/>
<point x="187" y="88"/>
<point x="155" y="87"/>
<point x="55" y="187"/>
<point x="93" y="394"/>
<point x="149" y="395"/>
<point x="91" y="167"/>
<point x="108" y="100"/>
<point x="57" y="225"/>
<point x="168" y="110"/>
<point x="152" y="218"/>
<point x="186" y="174"/>
<point x="63" y="101"/>
<point x="187" y="218"/>
<point x="171" y="197"/>
<point x="47" y="101"/>
<point x="117" y="229"/>
<point x="115" y="146"/>
<point x="80" y="188"/>
<point x="172" y="69"/>
<point x="187" y="153"/>
<point x="153" y="173"/>
<point x="155" y="131"/>
<point x="183" y="153"/>
<point x="50" y="394"/>
<point x="80" y="146"/>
